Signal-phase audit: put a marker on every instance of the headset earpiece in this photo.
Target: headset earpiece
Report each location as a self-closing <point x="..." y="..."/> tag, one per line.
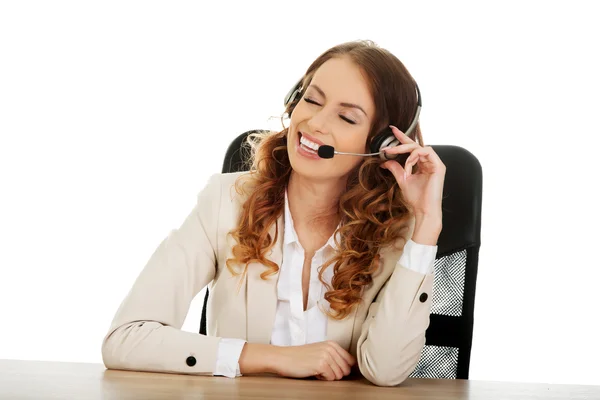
<point x="293" y="96"/>
<point x="385" y="138"/>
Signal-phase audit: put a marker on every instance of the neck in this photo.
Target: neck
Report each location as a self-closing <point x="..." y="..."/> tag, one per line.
<point x="314" y="203"/>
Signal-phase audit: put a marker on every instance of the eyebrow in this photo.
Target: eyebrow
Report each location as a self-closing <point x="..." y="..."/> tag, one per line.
<point x="351" y="105"/>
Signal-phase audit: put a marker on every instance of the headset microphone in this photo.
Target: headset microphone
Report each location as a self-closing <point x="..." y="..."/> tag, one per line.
<point x="326" y="151"/>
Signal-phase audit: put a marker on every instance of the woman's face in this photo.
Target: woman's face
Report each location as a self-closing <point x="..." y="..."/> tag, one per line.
<point x="337" y="110"/>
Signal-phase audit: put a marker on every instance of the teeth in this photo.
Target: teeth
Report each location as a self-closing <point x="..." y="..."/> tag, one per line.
<point x="309" y="144"/>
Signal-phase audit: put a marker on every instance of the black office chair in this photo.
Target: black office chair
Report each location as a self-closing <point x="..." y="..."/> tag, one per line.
<point x="447" y="350"/>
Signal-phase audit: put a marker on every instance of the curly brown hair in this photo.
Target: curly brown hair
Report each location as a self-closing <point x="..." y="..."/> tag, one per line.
<point x="371" y="211"/>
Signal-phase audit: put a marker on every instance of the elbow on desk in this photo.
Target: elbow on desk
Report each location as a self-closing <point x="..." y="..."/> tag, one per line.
<point x="389" y="368"/>
<point x="385" y="378"/>
<point x="118" y="345"/>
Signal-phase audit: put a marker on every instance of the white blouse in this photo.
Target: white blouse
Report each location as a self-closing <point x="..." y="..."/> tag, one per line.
<point x="293" y="326"/>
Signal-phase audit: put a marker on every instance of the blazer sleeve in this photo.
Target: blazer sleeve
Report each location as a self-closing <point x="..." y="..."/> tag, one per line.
<point x="393" y="334"/>
<point x="145" y="334"/>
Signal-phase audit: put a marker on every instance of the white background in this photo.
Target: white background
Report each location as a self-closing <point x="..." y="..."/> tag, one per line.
<point x="114" y="114"/>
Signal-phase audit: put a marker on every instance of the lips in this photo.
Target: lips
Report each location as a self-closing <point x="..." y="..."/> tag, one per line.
<point x="312" y="139"/>
<point x="303" y="152"/>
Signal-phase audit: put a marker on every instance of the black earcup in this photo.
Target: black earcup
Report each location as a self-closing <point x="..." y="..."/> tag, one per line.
<point x="292" y="108"/>
<point x="386" y="138"/>
<point x="293" y="96"/>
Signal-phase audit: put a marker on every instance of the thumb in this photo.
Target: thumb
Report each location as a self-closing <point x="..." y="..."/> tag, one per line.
<point x="396" y="169"/>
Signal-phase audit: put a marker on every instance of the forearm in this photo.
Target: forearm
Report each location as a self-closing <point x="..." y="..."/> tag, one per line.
<point x="393" y="333"/>
<point x="150" y="346"/>
<point x="427" y="229"/>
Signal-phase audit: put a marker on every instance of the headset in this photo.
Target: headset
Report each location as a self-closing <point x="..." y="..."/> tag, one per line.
<point x="383" y="139"/>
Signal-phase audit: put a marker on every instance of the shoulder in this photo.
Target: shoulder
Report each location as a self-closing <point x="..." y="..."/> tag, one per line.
<point x="228" y="179"/>
<point x="223" y="186"/>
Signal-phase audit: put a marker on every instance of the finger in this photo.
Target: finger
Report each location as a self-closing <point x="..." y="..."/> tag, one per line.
<point x="423" y="155"/>
<point x="421" y="159"/>
<point x="349" y="358"/>
<point x="400" y="135"/>
<point x="396" y="169"/>
<point x="337" y="366"/>
<point x="325" y="370"/>
<point x="429" y="153"/>
<point x="403" y="148"/>
<point x="411" y="161"/>
<point x="340" y="363"/>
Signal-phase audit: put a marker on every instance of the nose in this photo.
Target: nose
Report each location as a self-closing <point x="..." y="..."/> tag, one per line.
<point x="318" y="122"/>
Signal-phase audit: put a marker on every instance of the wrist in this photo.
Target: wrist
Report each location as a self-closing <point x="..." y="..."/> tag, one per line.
<point x="428" y="215"/>
<point x="258" y="358"/>
<point x="427" y="229"/>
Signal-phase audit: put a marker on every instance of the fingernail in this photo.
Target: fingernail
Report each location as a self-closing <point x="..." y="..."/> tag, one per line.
<point x="386" y="148"/>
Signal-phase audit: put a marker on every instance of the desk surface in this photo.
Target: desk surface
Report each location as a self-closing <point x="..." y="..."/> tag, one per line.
<point x="57" y="380"/>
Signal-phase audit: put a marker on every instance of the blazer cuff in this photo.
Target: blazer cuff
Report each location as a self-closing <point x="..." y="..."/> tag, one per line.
<point x="418" y="257"/>
<point x="228" y="357"/>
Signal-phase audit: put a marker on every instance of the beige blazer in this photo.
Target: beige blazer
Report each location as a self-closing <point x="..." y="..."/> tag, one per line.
<point x="386" y="335"/>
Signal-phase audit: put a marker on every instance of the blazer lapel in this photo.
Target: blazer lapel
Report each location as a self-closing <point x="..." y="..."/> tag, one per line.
<point x="340" y="331"/>
<point x="261" y="302"/>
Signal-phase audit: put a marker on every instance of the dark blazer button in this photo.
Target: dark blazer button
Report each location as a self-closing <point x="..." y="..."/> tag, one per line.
<point x="423" y="297"/>
<point x="191" y="361"/>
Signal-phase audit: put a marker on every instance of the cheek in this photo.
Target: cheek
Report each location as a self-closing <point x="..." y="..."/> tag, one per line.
<point x="351" y="145"/>
<point x="353" y="142"/>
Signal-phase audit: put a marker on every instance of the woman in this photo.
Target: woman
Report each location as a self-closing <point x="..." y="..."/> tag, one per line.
<point x="316" y="265"/>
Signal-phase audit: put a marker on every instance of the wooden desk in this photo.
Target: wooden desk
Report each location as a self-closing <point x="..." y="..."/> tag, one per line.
<point x="56" y="380"/>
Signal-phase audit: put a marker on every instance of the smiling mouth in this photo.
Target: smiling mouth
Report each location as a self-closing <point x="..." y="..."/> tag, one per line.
<point x="309" y="143"/>
<point x="304" y="147"/>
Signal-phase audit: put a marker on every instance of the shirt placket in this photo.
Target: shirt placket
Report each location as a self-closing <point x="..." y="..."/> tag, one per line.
<point x="297" y="321"/>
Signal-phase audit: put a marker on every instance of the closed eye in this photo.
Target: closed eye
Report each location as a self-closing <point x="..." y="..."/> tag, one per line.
<point x="311" y="101"/>
<point x="348" y="120"/>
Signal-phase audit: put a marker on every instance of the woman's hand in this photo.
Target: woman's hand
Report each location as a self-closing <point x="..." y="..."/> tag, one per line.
<point x="324" y="360"/>
<point x="423" y="190"/>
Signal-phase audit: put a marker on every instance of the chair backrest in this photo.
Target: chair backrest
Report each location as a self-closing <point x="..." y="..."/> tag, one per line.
<point x="447" y="350"/>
